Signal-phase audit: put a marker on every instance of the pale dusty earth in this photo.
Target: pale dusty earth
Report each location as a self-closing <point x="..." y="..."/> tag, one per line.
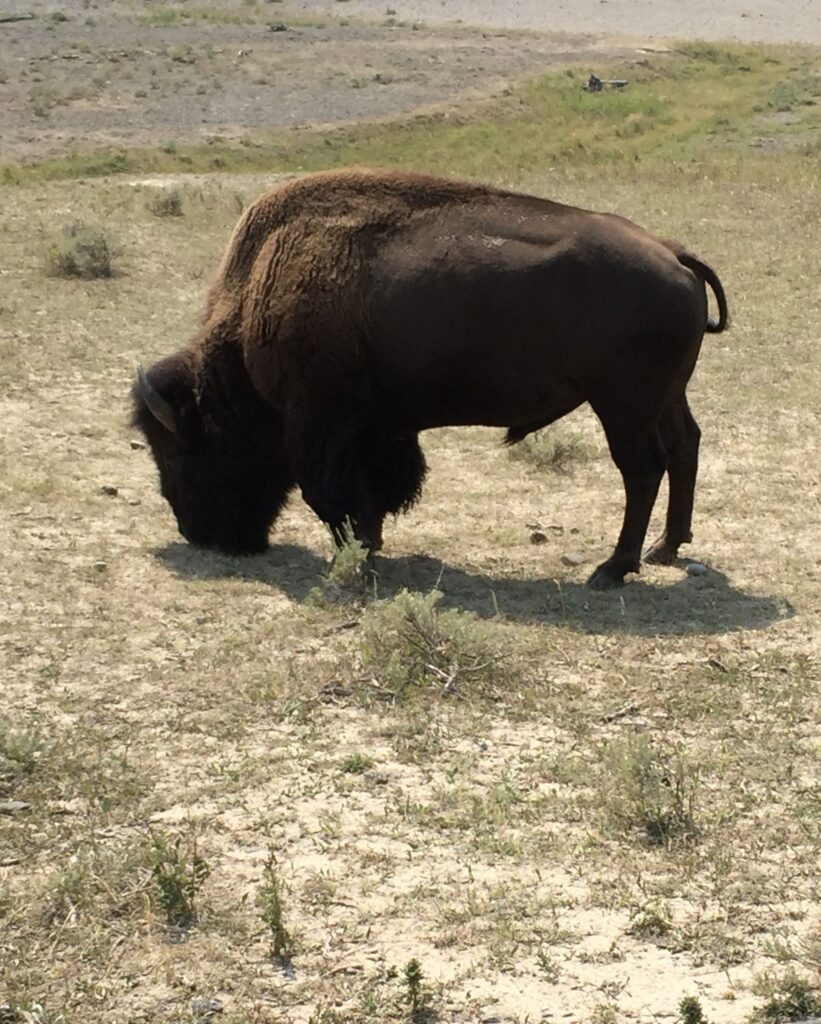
<point x="88" y="80"/>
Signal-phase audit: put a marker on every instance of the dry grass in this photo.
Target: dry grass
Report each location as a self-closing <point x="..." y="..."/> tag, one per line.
<point x="153" y="690"/>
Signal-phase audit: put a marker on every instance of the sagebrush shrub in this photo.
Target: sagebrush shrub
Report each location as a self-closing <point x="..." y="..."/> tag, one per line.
<point x="84" y="251"/>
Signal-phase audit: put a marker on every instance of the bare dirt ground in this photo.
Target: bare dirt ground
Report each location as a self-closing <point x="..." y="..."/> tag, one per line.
<point x="111" y="75"/>
<point x="96" y="74"/>
<point x="149" y="689"/>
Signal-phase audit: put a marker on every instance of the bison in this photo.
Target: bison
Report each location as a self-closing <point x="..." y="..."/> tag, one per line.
<point x="355" y="308"/>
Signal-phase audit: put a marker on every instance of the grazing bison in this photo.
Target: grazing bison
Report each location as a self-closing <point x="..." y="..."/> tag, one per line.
<point x="355" y="308"/>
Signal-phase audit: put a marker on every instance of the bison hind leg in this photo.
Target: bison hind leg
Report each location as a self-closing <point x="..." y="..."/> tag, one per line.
<point x="681" y="436"/>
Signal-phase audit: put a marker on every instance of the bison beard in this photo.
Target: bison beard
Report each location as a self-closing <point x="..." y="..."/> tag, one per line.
<point x="354" y="309"/>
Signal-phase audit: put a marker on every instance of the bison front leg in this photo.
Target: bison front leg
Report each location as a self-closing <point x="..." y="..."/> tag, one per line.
<point x="367" y="529"/>
<point x="642" y="461"/>
<point x="357" y="475"/>
<point x="681" y="436"/>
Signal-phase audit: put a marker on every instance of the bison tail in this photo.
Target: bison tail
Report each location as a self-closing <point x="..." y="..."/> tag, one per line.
<point x="710" y="277"/>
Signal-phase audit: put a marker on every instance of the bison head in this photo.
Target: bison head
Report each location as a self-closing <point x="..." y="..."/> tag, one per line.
<point x="210" y="475"/>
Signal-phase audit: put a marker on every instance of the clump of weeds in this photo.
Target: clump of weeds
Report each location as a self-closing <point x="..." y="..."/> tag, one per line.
<point x="651" y="921"/>
<point x="788" y="998"/>
<point x="85" y="251"/>
<point x="690" y="1011"/>
<point x="179" y="873"/>
<point x="556" y="449"/>
<point x="271" y="907"/>
<point x="167" y="203"/>
<point x="650" y="791"/>
<point x="409" y="644"/>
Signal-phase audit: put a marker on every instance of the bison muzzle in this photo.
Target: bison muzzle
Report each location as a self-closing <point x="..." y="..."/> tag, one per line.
<point x="354" y="309"/>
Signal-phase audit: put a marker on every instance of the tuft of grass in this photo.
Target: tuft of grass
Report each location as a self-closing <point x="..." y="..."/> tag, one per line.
<point x="652" y="921"/>
<point x="410" y="644"/>
<point x="21" y="750"/>
<point x="167" y="203"/>
<point x="179" y="872"/>
<point x="790" y="998"/>
<point x="85" y="251"/>
<point x="102" y="882"/>
<point x="356" y="764"/>
<point x="650" y="791"/>
<point x="555" y="448"/>
<point x="270" y="904"/>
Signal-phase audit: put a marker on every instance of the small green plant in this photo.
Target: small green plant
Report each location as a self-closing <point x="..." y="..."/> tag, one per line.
<point x="554" y="448"/>
<point x="409" y="643"/>
<point x="549" y="966"/>
<point x="650" y="791"/>
<point x="791" y="998"/>
<point x="85" y="252"/>
<point x="179" y="873"/>
<point x="651" y="922"/>
<point x="43" y="100"/>
<point x="21" y="750"/>
<point x="167" y="203"/>
<point x="415" y="995"/>
<point x="270" y="903"/>
<point x="604" y="1013"/>
<point x="348" y="569"/>
<point x="356" y="764"/>
<point x="690" y="1011"/>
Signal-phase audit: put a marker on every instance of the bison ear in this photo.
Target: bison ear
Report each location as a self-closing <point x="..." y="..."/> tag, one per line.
<point x="165" y="393"/>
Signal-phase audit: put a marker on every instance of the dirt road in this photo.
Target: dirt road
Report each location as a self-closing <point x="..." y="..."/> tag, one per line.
<point x="769" y="21"/>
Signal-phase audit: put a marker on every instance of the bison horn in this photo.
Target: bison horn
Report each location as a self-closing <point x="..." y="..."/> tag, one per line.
<point x="160" y="408"/>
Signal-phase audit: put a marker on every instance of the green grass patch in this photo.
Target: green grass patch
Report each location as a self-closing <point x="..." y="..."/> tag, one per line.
<point x="704" y="102"/>
<point x="170" y="16"/>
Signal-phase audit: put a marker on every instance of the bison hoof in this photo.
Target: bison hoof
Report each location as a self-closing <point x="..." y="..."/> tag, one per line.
<point x="604" y="579"/>
<point x="661" y="553"/>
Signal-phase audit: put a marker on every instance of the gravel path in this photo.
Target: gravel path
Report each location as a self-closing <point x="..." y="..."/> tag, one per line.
<point x="772" y="21"/>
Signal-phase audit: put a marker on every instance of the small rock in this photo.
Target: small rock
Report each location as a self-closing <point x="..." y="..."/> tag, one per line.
<point x="137" y="446"/>
<point x="573" y="558"/>
<point x="133" y="501"/>
<point x="110" y="490"/>
<point x="203" y="1010"/>
<point x="537" y="537"/>
<point x="101" y="566"/>
<point x="695" y="569"/>
<point x="13" y="806"/>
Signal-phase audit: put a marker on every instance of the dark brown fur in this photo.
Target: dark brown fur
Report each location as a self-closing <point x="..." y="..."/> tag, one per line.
<point x="355" y="308"/>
